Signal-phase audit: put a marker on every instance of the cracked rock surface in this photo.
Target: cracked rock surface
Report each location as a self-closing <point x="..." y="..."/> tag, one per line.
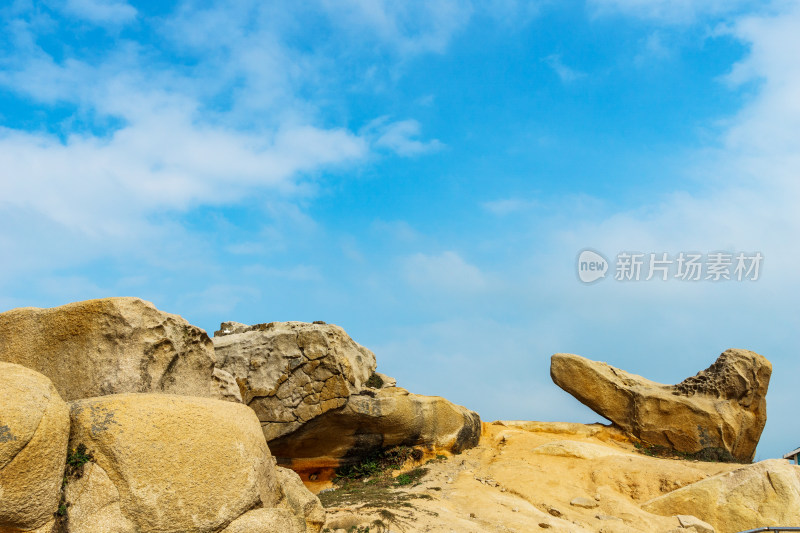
<point x="322" y="405"/>
<point x="723" y="406"/>
<point x="291" y="372"/>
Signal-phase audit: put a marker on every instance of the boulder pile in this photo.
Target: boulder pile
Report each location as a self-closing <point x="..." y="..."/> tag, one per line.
<point x="116" y="417"/>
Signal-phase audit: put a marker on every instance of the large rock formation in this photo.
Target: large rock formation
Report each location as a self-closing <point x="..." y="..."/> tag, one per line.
<point x="113" y="345"/>
<point x="34" y="428"/>
<point x="167" y="463"/>
<point x="320" y="402"/>
<point x="763" y="494"/>
<point x="375" y="420"/>
<point x="291" y="372"/>
<point x="723" y="406"/>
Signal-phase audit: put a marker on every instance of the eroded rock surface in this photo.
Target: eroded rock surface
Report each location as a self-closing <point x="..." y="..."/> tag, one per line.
<point x="723" y="406"/>
<point x="113" y="345"/>
<point x="34" y="429"/>
<point x="168" y="463"/>
<point x="292" y="372"/>
<point x="322" y="404"/>
<point x="762" y="494"/>
<point x="374" y="420"/>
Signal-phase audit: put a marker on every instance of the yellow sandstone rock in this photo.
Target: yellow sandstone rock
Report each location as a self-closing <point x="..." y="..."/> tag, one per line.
<point x="34" y="429"/>
<point x="177" y="463"/>
<point x="762" y="494"/>
<point x="114" y="345"/>
<point x="723" y="406"/>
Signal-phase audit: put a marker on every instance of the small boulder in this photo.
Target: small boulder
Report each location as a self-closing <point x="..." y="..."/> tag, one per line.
<point x="274" y="520"/>
<point x="168" y="463"/>
<point x="114" y="345"/>
<point x="300" y="500"/>
<point x="34" y="430"/>
<point x="723" y="406"/>
<point x="694" y="523"/>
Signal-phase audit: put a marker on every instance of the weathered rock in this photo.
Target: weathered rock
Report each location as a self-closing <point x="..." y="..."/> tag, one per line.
<point x="695" y="524"/>
<point x="168" y="463"/>
<point x="34" y="429"/>
<point x="374" y="420"/>
<point x="274" y="520"/>
<point x="113" y="345"/>
<point x="292" y="372"/>
<point x="763" y="494"/>
<point x="300" y="500"/>
<point x="723" y="406"/>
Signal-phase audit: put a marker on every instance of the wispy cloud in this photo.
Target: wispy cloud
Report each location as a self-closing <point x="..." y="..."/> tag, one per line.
<point x="668" y="11"/>
<point x="101" y="11"/>
<point x="400" y="137"/>
<point x="508" y="206"/>
<point x="446" y="271"/>
<point x="565" y="73"/>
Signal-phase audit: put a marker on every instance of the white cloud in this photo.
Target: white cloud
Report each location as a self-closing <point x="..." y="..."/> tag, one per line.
<point x="443" y="272"/>
<point x="101" y="11"/>
<point x="413" y="26"/>
<point x="399" y="136"/>
<point x="667" y="11"/>
<point x="565" y="73"/>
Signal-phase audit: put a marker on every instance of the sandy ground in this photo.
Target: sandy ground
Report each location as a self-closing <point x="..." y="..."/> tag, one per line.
<point x="536" y="476"/>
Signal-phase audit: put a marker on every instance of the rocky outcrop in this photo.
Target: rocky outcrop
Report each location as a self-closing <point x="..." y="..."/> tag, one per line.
<point x="292" y="372"/>
<point x="113" y="345"/>
<point x="723" y="406"/>
<point x="322" y="404"/>
<point x="34" y="429"/>
<point x="763" y="494"/>
<point x="168" y="463"/>
<point x="375" y="420"/>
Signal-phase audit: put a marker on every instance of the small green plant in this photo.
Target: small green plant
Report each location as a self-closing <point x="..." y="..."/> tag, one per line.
<point x="76" y="459"/>
<point x="73" y="469"/>
<point x="375" y="463"/>
<point x="410" y="477"/>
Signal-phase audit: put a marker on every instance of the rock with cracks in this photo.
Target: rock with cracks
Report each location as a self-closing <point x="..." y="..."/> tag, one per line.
<point x="321" y="403"/>
<point x="292" y="372"/>
<point x="723" y="406"/>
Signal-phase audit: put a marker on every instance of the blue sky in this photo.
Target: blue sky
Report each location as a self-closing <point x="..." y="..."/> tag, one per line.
<point x="423" y="174"/>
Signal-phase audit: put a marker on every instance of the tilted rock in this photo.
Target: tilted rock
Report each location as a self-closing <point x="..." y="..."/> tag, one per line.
<point x="114" y="345"/>
<point x="167" y="463"/>
<point x="34" y="429"/>
<point x="762" y="494"/>
<point x="292" y="372"/>
<point x="723" y="406"/>
<point x="374" y="420"/>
